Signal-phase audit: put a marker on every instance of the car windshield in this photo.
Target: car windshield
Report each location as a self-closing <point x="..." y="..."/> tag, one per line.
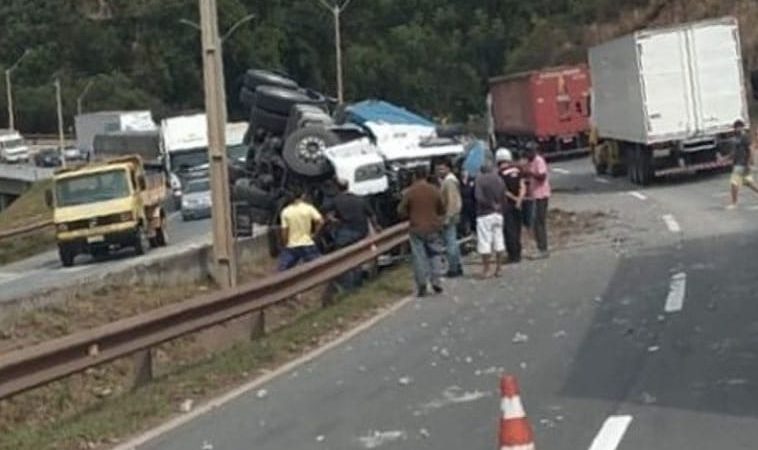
<point x="13" y="143"/>
<point x="92" y="188"/>
<point x="199" y="186"/>
<point x="187" y="159"/>
<point x="237" y="152"/>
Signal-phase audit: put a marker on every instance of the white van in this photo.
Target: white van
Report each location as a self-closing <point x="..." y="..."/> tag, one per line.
<point x="12" y="147"/>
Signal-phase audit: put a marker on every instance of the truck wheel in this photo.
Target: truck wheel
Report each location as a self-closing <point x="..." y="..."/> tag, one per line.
<point x="141" y="242"/>
<point x="247" y="97"/>
<point x="269" y="121"/>
<point x="254" y="78"/>
<point x="99" y="254"/>
<point x="645" y="166"/>
<point x="67" y="255"/>
<point x="280" y="100"/>
<point x="304" y="151"/>
<point x="161" y="234"/>
<point x="631" y="157"/>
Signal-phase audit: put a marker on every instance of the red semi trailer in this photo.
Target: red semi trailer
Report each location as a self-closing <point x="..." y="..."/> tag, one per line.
<point x="549" y="107"/>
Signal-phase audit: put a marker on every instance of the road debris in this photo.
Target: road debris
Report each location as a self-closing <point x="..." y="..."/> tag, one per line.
<point x="320" y="438"/>
<point x="520" y="338"/>
<point x="648" y="399"/>
<point x="653" y="348"/>
<point x="559" y="334"/>
<point x="207" y="446"/>
<point x="379" y="438"/>
<point x="262" y="393"/>
<point x="405" y="381"/>
<point x="453" y="395"/>
<point x="186" y="406"/>
<point x="424" y="433"/>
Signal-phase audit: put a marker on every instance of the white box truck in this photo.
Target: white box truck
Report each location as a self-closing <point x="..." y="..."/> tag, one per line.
<point x="665" y="101"/>
<point x="104" y="122"/>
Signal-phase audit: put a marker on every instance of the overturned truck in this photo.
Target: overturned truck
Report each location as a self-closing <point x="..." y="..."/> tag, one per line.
<point x="299" y="138"/>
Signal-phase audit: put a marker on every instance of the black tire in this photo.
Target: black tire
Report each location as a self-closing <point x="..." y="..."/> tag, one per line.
<point x="161" y="235"/>
<point x="141" y="242"/>
<point x="645" y="163"/>
<point x="631" y="163"/>
<point x="601" y="168"/>
<point x="280" y="100"/>
<point x="271" y="122"/>
<point x="256" y="197"/>
<point x="67" y="255"/>
<point x="304" y="151"/>
<point x="247" y="97"/>
<point x="254" y="78"/>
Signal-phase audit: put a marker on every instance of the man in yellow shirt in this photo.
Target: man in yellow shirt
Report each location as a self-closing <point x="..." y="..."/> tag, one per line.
<point x="300" y="222"/>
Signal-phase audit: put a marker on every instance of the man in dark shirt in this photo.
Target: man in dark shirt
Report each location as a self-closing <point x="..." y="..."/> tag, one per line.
<point x="515" y="191"/>
<point x="423" y="206"/>
<point x="742" y="172"/>
<point x="352" y="216"/>
<point x="490" y="195"/>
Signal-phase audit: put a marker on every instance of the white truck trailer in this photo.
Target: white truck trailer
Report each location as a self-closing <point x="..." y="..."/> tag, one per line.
<point x="104" y="122"/>
<point x="665" y="101"/>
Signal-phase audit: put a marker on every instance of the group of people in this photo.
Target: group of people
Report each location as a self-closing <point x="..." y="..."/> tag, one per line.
<point x="506" y="196"/>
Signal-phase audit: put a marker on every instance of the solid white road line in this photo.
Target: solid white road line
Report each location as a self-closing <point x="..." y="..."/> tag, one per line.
<point x="672" y="224"/>
<point x="602" y="180"/>
<point x="677" y="290"/>
<point x="638" y="195"/>
<point x="611" y="433"/>
<point x="561" y="171"/>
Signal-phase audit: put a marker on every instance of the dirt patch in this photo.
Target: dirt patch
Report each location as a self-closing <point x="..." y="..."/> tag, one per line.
<point x="567" y="226"/>
<point x="29" y="209"/>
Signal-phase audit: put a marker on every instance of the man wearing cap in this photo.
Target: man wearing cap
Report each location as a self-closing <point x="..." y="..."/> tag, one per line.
<point x="490" y="194"/>
<point x="515" y="190"/>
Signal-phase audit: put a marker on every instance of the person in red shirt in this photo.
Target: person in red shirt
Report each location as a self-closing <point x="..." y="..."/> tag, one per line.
<point x="539" y="191"/>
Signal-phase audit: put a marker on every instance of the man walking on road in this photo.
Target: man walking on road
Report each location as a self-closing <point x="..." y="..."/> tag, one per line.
<point x="515" y="190"/>
<point x="451" y="197"/>
<point x="422" y="204"/>
<point x="742" y="172"/>
<point x="300" y="221"/>
<point x="539" y="192"/>
<point x="490" y="194"/>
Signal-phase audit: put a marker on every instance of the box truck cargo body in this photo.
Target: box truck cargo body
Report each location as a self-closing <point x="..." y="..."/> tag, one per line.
<point x="549" y="107"/>
<point x="89" y="125"/>
<point x="666" y="100"/>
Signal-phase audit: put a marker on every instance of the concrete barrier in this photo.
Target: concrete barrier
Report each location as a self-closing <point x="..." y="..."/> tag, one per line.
<point x="194" y="265"/>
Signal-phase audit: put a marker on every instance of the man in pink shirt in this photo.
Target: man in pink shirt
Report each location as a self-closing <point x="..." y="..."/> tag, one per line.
<point x="539" y="192"/>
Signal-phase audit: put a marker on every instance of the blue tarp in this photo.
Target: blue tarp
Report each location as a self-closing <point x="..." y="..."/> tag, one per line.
<point x="380" y="111"/>
<point x="475" y="158"/>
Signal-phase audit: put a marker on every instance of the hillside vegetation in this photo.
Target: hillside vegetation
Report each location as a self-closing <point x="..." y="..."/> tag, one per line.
<point x="431" y="55"/>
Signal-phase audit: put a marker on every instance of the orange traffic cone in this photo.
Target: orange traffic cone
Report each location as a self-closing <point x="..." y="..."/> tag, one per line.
<point x="515" y="431"/>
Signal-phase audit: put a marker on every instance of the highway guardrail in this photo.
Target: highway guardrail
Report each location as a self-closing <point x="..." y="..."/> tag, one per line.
<point x="34" y="366"/>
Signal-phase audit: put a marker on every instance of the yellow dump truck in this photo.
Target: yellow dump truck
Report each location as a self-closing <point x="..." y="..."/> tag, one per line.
<point x="107" y="206"/>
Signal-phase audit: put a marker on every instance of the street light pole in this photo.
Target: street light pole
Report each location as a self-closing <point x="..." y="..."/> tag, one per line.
<point x="80" y="99"/>
<point x="337" y="11"/>
<point x="59" y="104"/>
<point x="229" y="32"/>
<point x="215" y="107"/>
<point x="9" y="90"/>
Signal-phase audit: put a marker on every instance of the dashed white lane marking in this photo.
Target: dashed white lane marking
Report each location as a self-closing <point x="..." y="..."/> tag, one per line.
<point x="611" y="433"/>
<point x="561" y="171"/>
<point x="638" y="195"/>
<point x="672" y="224"/>
<point x="601" y="180"/>
<point x="677" y="290"/>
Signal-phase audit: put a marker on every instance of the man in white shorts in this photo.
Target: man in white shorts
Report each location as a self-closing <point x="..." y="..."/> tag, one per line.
<point x="490" y="194"/>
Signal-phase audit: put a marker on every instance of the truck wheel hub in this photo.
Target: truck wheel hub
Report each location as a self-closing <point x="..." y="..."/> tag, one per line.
<point x="311" y="149"/>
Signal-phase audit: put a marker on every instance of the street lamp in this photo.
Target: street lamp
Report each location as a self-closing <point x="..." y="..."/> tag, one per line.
<point x="59" y="104"/>
<point x="80" y="99"/>
<point x="226" y="35"/>
<point x="337" y="11"/>
<point x="9" y="89"/>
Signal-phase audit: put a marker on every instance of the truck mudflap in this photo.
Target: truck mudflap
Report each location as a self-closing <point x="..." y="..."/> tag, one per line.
<point x="708" y="166"/>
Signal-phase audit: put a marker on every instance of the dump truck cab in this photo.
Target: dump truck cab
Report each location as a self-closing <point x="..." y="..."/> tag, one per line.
<point x="107" y="206"/>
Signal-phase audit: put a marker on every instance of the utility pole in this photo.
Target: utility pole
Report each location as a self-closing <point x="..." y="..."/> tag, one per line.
<point x="337" y="11"/>
<point x="59" y="102"/>
<point x="9" y="90"/>
<point x="215" y="108"/>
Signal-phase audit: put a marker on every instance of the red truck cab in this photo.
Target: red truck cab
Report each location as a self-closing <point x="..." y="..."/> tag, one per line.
<point x="549" y="107"/>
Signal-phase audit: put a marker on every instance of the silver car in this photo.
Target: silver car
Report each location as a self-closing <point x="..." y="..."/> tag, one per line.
<point x="196" y="199"/>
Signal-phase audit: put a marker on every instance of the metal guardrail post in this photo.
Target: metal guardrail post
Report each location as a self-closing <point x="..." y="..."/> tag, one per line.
<point x="143" y="367"/>
<point x="258" y="322"/>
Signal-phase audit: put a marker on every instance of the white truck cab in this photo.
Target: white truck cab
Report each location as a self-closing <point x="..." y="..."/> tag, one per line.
<point x="12" y="147"/>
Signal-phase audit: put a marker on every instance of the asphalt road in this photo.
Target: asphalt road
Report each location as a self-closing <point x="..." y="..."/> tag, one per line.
<point x="652" y="322"/>
<point x="44" y="271"/>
